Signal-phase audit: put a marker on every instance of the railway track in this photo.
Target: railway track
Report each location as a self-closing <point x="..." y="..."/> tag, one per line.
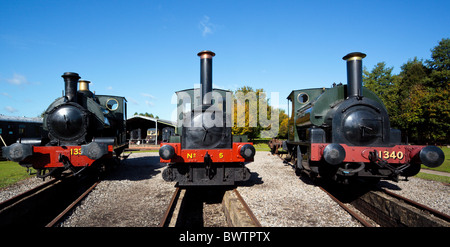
<point x="47" y="203"/>
<point x="389" y="209"/>
<point x="188" y="205"/>
<point x="357" y="215"/>
<point x="372" y="206"/>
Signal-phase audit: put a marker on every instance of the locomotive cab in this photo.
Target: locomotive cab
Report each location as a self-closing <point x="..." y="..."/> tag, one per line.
<point x="204" y="126"/>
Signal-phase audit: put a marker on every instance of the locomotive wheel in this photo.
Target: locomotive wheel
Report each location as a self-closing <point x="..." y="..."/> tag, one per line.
<point x="272" y="149"/>
<point x="168" y="174"/>
<point x="298" y="162"/>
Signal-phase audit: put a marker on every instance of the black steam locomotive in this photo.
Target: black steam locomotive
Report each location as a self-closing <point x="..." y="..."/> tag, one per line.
<point x="82" y="130"/>
<point x="343" y="133"/>
<point x="203" y="151"/>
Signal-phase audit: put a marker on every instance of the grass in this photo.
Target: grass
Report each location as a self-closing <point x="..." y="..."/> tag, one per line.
<point x="433" y="177"/>
<point x="445" y="167"/>
<point x="261" y="147"/>
<point x="11" y="172"/>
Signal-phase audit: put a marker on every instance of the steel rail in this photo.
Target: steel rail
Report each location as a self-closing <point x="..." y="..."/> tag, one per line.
<point x="351" y="212"/>
<point x="25" y="194"/>
<point x="36" y="207"/>
<point x="177" y="211"/>
<point x="166" y="217"/>
<point x="341" y="204"/>
<point x="32" y="191"/>
<point x="72" y="205"/>
<point x="247" y="209"/>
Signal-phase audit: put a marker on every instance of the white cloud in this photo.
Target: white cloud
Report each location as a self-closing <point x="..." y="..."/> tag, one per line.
<point x="147" y="95"/>
<point x="18" y="79"/>
<point x="149" y="99"/>
<point x="132" y="100"/>
<point x="206" y="26"/>
<point x="6" y="94"/>
<point x="10" y="109"/>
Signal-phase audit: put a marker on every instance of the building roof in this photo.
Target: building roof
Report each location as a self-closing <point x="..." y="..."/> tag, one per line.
<point x="20" y="119"/>
<point x="138" y="117"/>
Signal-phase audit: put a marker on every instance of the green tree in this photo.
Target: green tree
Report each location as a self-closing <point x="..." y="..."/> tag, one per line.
<point x="248" y="120"/>
<point x="438" y="105"/>
<point x="283" y="119"/>
<point x="379" y="80"/>
<point x="146" y="115"/>
<point x="246" y="112"/>
<point x="411" y="82"/>
<point x="440" y="64"/>
<point x="413" y="73"/>
<point x="417" y="99"/>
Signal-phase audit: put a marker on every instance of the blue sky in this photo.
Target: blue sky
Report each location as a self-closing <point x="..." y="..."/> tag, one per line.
<point x="147" y="50"/>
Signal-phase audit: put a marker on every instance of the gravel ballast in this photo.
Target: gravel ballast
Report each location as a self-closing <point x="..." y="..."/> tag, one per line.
<point x="280" y="198"/>
<point x="136" y="195"/>
<point x="133" y="195"/>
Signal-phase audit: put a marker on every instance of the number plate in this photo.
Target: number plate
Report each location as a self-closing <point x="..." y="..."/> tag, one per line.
<point x="386" y="154"/>
<point x="75" y="151"/>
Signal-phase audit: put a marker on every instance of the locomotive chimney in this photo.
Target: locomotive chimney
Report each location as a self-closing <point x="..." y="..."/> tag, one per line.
<point x="206" y="75"/>
<point x="70" y="86"/>
<point x="354" y="73"/>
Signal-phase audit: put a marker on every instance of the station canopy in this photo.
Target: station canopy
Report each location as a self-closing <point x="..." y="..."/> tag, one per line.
<point x="144" y="123"/>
